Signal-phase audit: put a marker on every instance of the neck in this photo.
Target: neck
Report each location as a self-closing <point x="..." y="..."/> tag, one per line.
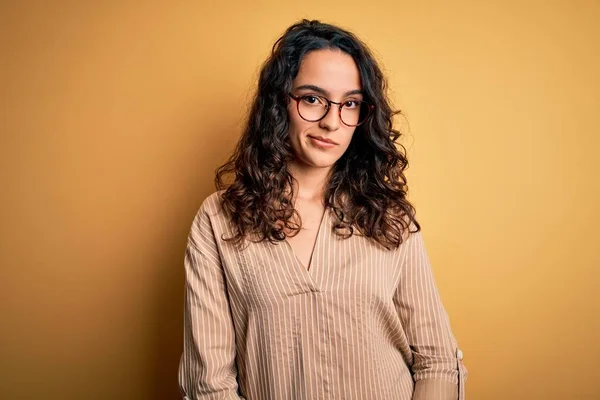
<point x="311" y="182"/>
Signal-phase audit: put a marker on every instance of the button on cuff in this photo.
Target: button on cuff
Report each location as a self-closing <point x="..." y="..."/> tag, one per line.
<point x="459" y="354"/>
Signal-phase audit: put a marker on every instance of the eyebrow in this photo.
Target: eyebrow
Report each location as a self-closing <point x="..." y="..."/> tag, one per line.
<point x="325" y="92"/>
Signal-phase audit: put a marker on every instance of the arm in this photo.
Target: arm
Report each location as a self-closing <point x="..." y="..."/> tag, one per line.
<point x="207" y="368"/>
<point x="437" y="366"/>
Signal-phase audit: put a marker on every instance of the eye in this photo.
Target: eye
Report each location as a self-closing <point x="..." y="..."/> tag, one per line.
<point x="352" y="104"/>
<point x="312" y="100"/>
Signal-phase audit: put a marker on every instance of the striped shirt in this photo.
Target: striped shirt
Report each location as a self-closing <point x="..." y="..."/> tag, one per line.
<point x="363" y="322"/>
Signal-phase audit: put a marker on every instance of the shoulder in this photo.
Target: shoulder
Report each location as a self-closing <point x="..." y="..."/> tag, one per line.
<point x="209" y="209"/>
<point x="410" y="230"/>
<point x="206" y="219"/>
<point x="211" y="206"/>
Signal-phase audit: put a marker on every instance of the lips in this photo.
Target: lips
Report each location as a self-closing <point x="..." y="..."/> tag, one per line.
<point x="322" y="139"/>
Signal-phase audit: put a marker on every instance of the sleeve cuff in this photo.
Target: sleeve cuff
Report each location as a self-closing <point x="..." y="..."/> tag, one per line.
<point x="462" y="375"/>
<point x="441" y="389"/>
<point x="228" y="396"/>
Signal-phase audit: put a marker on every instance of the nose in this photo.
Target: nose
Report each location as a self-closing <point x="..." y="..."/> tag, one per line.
<point x="331" y="121"/>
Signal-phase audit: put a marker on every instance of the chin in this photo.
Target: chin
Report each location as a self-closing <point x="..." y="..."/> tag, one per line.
<point x="320" y="162"/>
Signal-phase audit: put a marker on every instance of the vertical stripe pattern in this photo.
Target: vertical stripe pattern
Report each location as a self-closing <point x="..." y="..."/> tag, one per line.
<point x="363" y="323"/>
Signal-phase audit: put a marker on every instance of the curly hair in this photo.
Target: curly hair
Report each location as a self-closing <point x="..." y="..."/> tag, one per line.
<point x="366" y="188"/>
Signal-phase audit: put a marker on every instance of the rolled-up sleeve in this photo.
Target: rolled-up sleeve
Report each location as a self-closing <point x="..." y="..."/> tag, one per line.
<point x="207" y="368"/>
<point x="437" y="362"/>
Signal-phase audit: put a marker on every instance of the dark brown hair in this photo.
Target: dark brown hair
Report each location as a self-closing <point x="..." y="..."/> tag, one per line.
<point x="367" y="186"/>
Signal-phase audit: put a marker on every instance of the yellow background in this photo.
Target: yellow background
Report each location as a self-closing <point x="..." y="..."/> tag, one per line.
<point x="114" y="115"/>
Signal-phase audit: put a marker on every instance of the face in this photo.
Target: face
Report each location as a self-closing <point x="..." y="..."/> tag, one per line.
<point x="331" y="74"/>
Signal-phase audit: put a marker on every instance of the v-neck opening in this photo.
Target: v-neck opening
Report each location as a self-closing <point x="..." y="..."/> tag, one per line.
<point x="310" y="266"/>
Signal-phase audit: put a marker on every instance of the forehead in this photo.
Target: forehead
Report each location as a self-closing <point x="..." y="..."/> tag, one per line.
<point x="332" y="70"/>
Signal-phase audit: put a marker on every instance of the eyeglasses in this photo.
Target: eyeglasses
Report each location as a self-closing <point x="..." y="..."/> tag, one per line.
<point x="313" y="108"/>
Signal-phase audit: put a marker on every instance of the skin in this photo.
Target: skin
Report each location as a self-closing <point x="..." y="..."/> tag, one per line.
<point x="337" y="75"/>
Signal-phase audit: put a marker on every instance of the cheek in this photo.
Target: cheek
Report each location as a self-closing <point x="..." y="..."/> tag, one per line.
<point x="348" y="138"/>
<point x="293" y="122"/>
<point x="293" y="115"/>
<point x="297" y="126"/>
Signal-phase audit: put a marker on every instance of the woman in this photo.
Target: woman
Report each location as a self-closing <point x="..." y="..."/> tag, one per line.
<point x="307" y="277"/>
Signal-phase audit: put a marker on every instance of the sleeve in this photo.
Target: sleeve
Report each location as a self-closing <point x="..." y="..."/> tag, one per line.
<point x="207" y="368"/>
<point x="437" y="367"/>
